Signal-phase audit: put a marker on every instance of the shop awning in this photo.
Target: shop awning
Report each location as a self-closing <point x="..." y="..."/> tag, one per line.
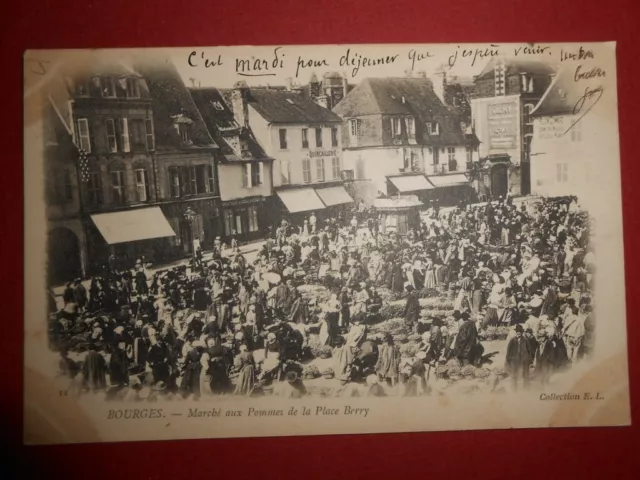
<point x="301" y="200"/>
<point x="449" y="180"/>
<point x="411" y="183"/>
<point x="133" y="225"/>
<point x="334" y="196"/>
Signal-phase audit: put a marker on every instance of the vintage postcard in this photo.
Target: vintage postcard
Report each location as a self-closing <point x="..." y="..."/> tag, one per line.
<point x="301" y="240"/>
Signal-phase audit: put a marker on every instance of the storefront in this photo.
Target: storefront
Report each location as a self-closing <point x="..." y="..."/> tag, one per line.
<point x="246" y="218"/>
<point x="451" y="189"/>
<point x="129" y="235"/>
<point x="398" y="215"/>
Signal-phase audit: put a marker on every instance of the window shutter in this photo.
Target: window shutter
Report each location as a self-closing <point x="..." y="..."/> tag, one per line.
<point x="246" y="175"/>
<point x="125" y="144"/>
<point x="146" y="185"/>
<point x="149" y="133"/>
<point x="260" y="173"/>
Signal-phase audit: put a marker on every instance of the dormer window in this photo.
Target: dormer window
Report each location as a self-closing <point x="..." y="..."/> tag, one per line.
<point x="107" y="87"/>
<point x="526" y="83"/>
<point x="83" y="88"/>
<point x="182" y="124"/>
<point x="133" y="87"/>
<point x="433" y="128"/>
<point x="217" y="105"/>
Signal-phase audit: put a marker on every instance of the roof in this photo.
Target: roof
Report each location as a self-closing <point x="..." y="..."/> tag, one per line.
<point x="563" y="94"/>
<point x="221" y="123"/>
<point x="375" y="96"/>
<point x="516" y="67"/>
<point x="283" y="106"/>
<point x="171" y="98"/>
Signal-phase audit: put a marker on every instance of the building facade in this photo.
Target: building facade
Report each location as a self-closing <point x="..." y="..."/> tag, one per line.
<point x="304" y="140"/>
<point x="244" y="169"/>
<point x="503" y="97"/>
<point x="404" y="126"/>
<point x="131" y="156"/>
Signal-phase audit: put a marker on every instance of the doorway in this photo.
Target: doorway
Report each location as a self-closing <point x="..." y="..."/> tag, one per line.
<point x="499" y="180"/>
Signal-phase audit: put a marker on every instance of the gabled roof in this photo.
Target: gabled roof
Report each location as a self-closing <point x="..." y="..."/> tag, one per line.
<point x="563" y="95"/>
<point x="406" y="96"/>
<point x="221" y="123"/>
<point x="516" y="67"/>
<point x="170" y="98"/>
<point x="283" y="106"/>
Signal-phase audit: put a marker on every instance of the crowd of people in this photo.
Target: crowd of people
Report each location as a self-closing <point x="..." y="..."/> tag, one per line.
<point x="231" y="326"/>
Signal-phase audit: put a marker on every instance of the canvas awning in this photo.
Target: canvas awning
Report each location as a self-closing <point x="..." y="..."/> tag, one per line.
<point x="411" y="183"/>
<point x="133" y="225"/>
<point x="449" y="180"/>
<point x="334" y="196"/>
<point x="301" y="200"/>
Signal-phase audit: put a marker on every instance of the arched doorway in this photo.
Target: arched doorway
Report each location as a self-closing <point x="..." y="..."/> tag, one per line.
<point x="499" y="180"/>
<point x="63" y="256"/>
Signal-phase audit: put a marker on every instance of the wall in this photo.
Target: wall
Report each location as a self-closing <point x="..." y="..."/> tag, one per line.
<point x="371" y="132"/>
<point x="485" y="131"/>
<point x="269" y="138"/>
<point x="551" y="148"/>
<point x="231" y="178"/>
<point x="177" y="159"/>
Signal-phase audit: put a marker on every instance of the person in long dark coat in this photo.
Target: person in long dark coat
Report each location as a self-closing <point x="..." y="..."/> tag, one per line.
<point x="191" y="374"/>
<point x="95" y="370"/>
<point x="465" y="345"/>
<point x="412" y="308"/>
<point x="141" y="283"/>
<point x="518" y="359"/>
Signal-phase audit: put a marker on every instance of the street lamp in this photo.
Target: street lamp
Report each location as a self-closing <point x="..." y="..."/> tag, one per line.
<point x="190" y="215"/>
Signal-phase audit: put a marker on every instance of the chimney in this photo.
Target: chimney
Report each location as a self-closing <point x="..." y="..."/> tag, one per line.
<point x="439" y="83"/>
<point x="314" y="86"/>
<point x="289" y="83"/>
<point x="345" y="86"/>
<point x="408" y="73"/>
<point x="239" y="104"/>
<point x="421" y="74"/>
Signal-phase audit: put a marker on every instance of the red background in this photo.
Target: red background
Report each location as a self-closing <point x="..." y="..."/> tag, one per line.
<point x="554" y="453"/>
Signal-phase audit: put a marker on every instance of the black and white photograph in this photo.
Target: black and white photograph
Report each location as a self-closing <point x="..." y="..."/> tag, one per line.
<point x="298" y="240"/>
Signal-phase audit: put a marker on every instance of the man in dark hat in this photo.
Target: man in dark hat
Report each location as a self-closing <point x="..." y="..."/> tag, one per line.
<point x="466" y="340"/>
<point x="519" y="358"/>
<point x="411" y="308"/>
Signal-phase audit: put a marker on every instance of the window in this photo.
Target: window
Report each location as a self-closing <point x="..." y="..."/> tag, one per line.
<point x="217" y="105"/>
<point x="318" y="138"/>
<point x="305" y="138"/>
<point x="469" y="151"/>
<point x="175" y="182"/>
<point x="396" y="126"/>
<point x="227" y="217"/>
<point x="320" y="169"/>
<point x="526" y="113"/>
<point x="94" y="189"/>
<point x="451" y="153"/>
<point x="283" y="138"/>
<point x="335" y="168"/>
<point x="112" y="144"/>
<point x="562" y="172"/>
<point x="252" y="174"/>
<point x="527" y="83"/>
<point x="67" y="183"/>
<point x="118" y="193"/>
<point x="436" y="155"/>
<point x="415" y="162"/>
<point x="133" y="88"/>
<point x="285" y="172"/>
<point x="83" y="135"/>
<point x="138" y="133"/>
<point x="148" y="126"/>
<point x="354" y="128"/>
<point x="432" y="128"/>
<point x="197" y="180"/>
<point x="142" y="185"/>
<point x="108" y="87"/>
<point x="83" y="88"/>
<point x="252" y="214"/>
<point x="576" y="132"/>
<point x="183" y="130"/>
<point x="306" y="170"/>
<point x="334" y="137"/>
<point x="211" y="179"/>
<point x="123" y="127"/>
<point x="411" y="127"/>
